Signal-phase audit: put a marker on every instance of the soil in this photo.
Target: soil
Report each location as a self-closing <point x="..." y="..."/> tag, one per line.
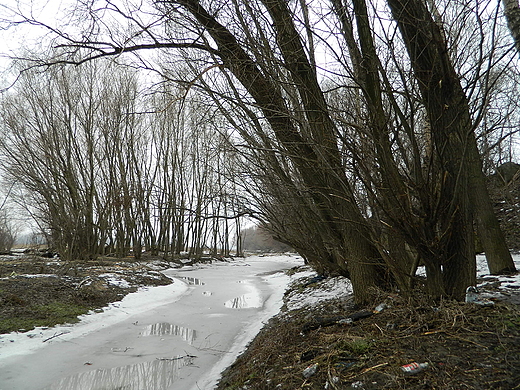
<point x="466" y="346"/>
<point x="40" y="291"/>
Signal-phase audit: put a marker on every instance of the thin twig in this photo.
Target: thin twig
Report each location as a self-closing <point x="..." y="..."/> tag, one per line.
<point x="466" y="340"/>
<point x="55" y="335"/>
<point x="369" y="369"/>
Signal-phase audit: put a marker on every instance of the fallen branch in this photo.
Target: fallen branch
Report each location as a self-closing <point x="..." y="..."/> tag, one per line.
<point x="321" y="322"/>
<point x="368" y="370"/>
<point x="373" y="368"/>
<point x="178" y="358"/>
<point x="52" y="337"/>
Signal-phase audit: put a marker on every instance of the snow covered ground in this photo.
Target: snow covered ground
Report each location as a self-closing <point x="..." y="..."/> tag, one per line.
<point x="498" y="287"/>
<point x="179" y="336"/>
<point x="490" y="286"/>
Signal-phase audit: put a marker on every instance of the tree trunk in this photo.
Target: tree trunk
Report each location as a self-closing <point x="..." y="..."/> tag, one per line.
<point x="491" y="237"/>
<point x="318" y="163"/>
<point x="493" y="241"/>
<point x="451" y="127"/>
<point x="332" y="187"/>
<point x="512" y="13"/>
<point x="394" y="200"/>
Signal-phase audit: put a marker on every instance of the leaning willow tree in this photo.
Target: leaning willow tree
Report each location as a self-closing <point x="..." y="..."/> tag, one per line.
<point x="358" y="123"/>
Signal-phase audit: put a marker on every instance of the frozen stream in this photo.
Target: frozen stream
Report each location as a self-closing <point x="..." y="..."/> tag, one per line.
<point x="178" y="337"/>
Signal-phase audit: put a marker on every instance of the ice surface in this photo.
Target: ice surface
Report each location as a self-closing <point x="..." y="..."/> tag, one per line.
<point x="179" y="336"/>
<point x="166" y="329"/>
<point x="152" y="375"/>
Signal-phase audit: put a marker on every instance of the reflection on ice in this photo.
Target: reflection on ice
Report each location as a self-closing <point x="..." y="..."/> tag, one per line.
<point x="193" y="281"/>
<point x="164" y="328"/>
<point x="154" y="375"/>
<point x="246" y="301"/>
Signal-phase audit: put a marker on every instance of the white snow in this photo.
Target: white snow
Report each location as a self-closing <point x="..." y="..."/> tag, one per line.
<point x="339" y="287"/>
<point x="30" y="276"/>
<point x="184" y="328"/>
<point x="192" y="329"/>
<point x="115" y="280"/>
<point x="331" y="288"/>
<point x="507" y="284"/>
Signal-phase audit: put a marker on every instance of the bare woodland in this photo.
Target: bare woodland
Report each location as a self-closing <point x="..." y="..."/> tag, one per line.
<point x="359" y="133"/>
<point x="105" y="178"/>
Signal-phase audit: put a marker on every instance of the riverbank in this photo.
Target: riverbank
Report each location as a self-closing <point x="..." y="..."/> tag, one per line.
<point x="180" y="335"/>
<point x="326" y="343"/>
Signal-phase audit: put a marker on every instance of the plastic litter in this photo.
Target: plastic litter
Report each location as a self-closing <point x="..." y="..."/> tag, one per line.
<point x="311" y="370"/>
<point x="414" y="368"/>
<point x="379" y="308"/>
<point x="357" y="385"/>
<point x="334" y="380"/>
<point x="344" y="365"/>
<point x="473" y="296"/>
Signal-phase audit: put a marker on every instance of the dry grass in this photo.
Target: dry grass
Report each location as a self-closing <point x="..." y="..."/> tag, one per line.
<point x="63" y="290"/>
<point x="466" y="346"/>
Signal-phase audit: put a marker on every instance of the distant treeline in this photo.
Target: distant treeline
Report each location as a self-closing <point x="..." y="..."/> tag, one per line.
<point x="257" y="238"/>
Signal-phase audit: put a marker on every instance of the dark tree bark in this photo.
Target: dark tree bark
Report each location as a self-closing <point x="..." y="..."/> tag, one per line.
<point x="393" y="196"/>
<point x="346" y="233"/>
<point x="492" y="238"/>
<point x="512" y="13"/>
<point x="451" y="129"/>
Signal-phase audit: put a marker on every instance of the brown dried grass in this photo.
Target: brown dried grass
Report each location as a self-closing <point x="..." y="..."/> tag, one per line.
<point x="466" y="346"/>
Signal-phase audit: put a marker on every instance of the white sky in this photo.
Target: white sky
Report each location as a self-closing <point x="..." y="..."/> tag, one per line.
<point x="15" y="37"/>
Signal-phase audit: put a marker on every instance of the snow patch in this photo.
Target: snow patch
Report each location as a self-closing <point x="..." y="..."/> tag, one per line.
<point x="115" y="280"/>
<point x="319" y="291"/>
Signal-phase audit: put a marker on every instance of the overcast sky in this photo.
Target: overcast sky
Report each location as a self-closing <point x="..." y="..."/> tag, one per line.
<point x="16" y="38"/>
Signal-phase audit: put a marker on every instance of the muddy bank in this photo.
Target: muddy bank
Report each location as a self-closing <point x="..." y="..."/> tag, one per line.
<point x="320" y="341"/>
<point x="39" y="291"/>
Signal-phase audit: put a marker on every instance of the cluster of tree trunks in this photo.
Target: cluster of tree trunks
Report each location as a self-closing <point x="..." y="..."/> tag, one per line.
<point x="102" y="179"/>
<point x="366" y="183"/>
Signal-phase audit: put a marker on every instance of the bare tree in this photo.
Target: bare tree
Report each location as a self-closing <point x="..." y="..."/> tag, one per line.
<point x="387" y="177"/>
<point x="7" y="231"/>
<point x="52" y="144"/>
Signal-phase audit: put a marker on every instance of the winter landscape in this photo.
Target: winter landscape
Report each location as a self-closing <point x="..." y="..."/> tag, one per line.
<point x="178" y="336"/>
<point x="259" y="194"/>
<point x="184" y="334"/>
